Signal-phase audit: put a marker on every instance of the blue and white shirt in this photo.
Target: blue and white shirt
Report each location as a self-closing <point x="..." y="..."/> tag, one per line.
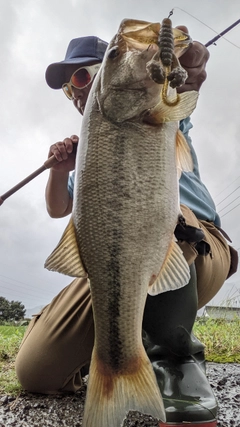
<point x="193" y="192"/>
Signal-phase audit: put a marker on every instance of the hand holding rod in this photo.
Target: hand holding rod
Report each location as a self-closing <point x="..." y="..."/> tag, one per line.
<point x="46" y="165"/>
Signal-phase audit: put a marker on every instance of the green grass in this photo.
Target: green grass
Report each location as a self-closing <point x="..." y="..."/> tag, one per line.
<point x="221" y="338"/>
<point x="10" y="339"/>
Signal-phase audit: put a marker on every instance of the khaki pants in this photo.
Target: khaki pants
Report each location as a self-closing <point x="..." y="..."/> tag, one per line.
<point x="212" y="269"/>
<point x="59" y="340"/>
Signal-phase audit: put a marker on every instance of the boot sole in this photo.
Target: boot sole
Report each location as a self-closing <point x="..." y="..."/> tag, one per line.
<point x="189" y="424"/>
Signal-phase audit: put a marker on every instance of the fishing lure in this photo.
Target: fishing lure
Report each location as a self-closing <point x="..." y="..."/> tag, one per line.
<point x="175" y="75"/>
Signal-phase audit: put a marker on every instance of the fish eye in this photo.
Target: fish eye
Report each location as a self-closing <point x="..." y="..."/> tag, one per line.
<point x="114" y="52"/>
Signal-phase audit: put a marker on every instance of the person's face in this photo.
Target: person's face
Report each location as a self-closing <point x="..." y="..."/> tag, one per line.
<point x="80" y="96"/>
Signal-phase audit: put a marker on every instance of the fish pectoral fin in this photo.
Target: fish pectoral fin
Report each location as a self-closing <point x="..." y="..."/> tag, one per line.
<point x="183" y="155"/>
<point x="174" y="273"/>
<point x="162" y="113"/>
<point x="65" y="258"/>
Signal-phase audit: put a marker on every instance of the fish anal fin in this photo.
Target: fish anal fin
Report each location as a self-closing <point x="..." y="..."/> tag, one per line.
<point x="174" y="273"/>
<point x="183" y="154"/>
<point x="163" y="113"/>
<point x="111" y="395"/>
<point x="65" y="258"/>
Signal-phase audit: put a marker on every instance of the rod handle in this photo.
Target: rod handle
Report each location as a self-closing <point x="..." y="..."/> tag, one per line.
<point x="46" y="165"/>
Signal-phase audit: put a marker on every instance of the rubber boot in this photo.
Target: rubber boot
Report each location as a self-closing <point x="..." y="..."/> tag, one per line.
<point x="177" y="356"/>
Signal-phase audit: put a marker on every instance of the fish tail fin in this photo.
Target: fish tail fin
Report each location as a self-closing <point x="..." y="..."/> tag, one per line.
<point x="110" y="396"/>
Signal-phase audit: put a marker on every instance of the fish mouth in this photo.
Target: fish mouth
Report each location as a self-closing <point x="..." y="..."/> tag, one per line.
<point x="139" y="35"/>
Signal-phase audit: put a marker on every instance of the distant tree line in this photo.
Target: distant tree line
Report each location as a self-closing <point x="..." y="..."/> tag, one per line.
<point x="11" y="311"/>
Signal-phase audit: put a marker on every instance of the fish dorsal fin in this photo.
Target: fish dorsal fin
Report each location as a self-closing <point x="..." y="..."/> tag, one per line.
<point x="183" y="154"/>
<point x="174" y="273"/>
<point x="65" y="258"/>
<point x="163" y="113"/>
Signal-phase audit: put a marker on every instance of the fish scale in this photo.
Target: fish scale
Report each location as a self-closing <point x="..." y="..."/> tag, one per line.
<point x="123" y="224"/>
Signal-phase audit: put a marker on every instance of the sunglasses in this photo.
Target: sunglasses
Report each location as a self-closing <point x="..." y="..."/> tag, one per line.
<point x="80" y="79"/>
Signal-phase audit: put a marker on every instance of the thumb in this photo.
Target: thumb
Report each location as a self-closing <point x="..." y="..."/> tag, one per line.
<point x="74" y="138"/>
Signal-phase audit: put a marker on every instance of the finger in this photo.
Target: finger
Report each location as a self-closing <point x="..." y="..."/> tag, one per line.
<point x="197" y="55"/>
<point x="182" y="28"/>
<point x="69" y="143"/>
<point x="59" y="151"/>
<point x="66" y="147"/>
<point x="75" y="140"/>
<point x="55" y="152"/>
<point x="193" y="82"/>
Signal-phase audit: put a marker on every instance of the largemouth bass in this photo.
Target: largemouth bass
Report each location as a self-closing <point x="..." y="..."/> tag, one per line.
<point x="125" y="211"/>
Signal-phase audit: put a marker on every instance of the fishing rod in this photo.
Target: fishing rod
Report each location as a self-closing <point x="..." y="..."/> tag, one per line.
<point x="212" y="41"/>
<point x="53" y="161"/>
<point x="49" y="163"/>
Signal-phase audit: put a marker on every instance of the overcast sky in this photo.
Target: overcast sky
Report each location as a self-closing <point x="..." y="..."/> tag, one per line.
<point x="33" y="116"/>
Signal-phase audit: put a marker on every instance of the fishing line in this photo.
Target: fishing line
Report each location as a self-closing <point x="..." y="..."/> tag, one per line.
<point x="21" y="286"/>
<point x="228" y="204"/>
<point x="229" y="185"/>
<point x="228" y="195"/>
<point x="23" y="294"/>
<point x="230" y="210"/>
<point x="203" y="23"/>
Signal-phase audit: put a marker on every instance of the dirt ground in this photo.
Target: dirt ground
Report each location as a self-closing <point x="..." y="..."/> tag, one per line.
<point x="30" y="410"/>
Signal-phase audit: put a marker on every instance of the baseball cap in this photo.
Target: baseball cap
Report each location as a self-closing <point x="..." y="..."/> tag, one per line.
<point x="80" y="51"/>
